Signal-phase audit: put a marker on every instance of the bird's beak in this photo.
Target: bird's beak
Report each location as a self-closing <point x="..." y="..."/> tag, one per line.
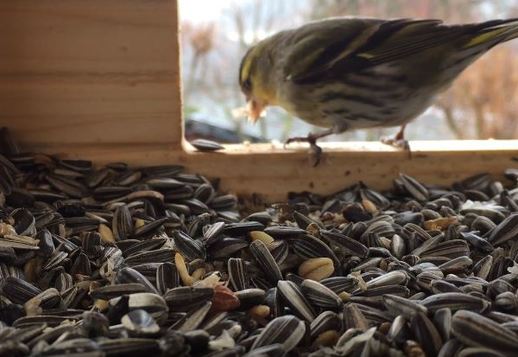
<point x="255" y="109"/>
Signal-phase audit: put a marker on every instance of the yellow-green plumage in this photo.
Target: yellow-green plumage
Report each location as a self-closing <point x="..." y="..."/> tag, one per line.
<point x="348" y="73"/>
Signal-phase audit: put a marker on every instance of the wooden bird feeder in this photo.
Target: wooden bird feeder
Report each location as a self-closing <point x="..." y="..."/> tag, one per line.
<point x="100" y="80"/>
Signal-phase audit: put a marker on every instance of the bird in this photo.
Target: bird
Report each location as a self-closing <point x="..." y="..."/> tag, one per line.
<point x="350" y="73"/>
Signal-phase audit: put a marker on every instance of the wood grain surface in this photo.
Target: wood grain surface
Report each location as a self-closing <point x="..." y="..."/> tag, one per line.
<point x="95" y="71"/>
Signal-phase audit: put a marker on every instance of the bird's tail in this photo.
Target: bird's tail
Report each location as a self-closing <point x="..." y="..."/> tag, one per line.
<point x="493" y="32"/>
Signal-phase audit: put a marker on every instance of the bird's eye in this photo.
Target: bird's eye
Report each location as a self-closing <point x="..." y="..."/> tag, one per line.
<point x="247" y="85"/>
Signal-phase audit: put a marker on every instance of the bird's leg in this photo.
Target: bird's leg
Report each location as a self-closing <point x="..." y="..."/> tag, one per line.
<point x="398" y="140"/>
<point x="311" y="139"/>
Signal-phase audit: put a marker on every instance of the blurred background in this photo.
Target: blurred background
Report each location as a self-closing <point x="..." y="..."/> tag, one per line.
<point x="215" y="34"/>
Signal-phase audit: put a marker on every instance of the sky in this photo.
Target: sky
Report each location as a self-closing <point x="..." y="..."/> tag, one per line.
<point x="200" y="11"/>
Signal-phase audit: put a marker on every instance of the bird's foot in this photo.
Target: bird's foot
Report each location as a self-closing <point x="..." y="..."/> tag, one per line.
<point x="301" y="139"/>
<point x="315" y="153"/>
<point x="314" y="149"/>
<point x="399" y="143"/>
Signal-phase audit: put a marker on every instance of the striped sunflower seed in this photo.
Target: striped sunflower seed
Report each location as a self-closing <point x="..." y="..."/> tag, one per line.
<point x="294" y="298"/>
<point x="426" y="334"/>
<point x="476" y="330"/>
<point x="237" y="274"/>
<point x="266" y="261"/>
<point x="398" y="305"/>
<point x="320" y="295"/>
<point x="286" y="330"/>
<point x="506" y="230"/>
<point x="455" y="301"/>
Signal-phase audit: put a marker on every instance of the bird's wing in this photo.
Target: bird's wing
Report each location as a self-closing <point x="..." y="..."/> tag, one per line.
<point x="359" y="43"/>
<point x="422" y="35"/>
<point x="316" y="47"/>
<point x="338" y="46"/>
<point x="493" y="32"/>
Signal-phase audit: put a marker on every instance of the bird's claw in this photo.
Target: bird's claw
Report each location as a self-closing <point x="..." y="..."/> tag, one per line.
<point x="316" y="153"/>
<point x="401" y="144"/>
<point x="300" y="139"/>
<point x="397" y="143"/>
<point x="314" y="149"/>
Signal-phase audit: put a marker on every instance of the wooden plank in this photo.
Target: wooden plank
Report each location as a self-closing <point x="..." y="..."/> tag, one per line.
<point x="272" y="172"/>
<point x="96" y="71"/>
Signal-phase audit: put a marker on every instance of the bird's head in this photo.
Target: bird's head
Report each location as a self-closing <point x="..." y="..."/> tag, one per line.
<point x="255" y="80"/>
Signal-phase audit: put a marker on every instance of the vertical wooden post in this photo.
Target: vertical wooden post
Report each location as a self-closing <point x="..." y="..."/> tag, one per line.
<point x="96" y="72"/>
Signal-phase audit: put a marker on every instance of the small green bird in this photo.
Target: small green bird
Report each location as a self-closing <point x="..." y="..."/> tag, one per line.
<point x="354" y="73"/>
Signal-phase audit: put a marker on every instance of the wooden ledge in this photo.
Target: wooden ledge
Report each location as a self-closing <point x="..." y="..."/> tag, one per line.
<point x="271" y="171"/>
<point x="374" y="147"/>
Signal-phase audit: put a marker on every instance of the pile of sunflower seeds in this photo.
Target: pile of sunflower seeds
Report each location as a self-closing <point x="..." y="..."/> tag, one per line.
<point x="132" y="261"/>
